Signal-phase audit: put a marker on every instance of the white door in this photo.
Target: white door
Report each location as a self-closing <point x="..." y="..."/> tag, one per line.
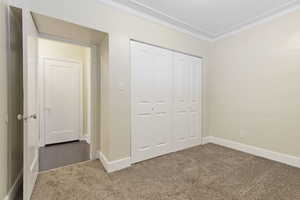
<point x="166" y="93"/>
<point x="186" y="98"/>
<point x="31" y="134"/>
<point x="62" y="86"/>
<point x="151" y="108"/>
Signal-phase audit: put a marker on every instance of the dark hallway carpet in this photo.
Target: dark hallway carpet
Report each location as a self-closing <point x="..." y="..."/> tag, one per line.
<point x="60" y="155"/>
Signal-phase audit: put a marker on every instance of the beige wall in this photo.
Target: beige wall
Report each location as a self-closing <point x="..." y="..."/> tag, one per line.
<point x="250" y="82"/>
<point x="3" y="103"/>
<point x="121" y="27"/>
<point x="56" y="49"/>
<point x="104" y="138"/>
<point x="253" y="84"/>
<point x="86" y="90"/>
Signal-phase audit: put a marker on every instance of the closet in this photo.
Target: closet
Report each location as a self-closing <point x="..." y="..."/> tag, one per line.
<point x="166" y="101"/>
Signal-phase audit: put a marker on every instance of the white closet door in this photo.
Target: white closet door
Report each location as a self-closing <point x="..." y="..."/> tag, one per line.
<point x="151" y="107"/>
<point x="194" y="136"/>
<point x="186" y="103"/>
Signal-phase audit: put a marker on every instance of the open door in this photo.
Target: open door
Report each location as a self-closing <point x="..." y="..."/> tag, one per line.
<point x="31" y="131"/>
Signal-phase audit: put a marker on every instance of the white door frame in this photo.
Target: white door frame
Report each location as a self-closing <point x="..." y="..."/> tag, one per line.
<point x="41" y="94"/>
<point x="95" y="91"/>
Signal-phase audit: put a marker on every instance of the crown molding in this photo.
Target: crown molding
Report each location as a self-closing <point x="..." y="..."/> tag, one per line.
<point x="261" y="19"/>
<point x="174" y="20"/>
<point x="154" y="19"/>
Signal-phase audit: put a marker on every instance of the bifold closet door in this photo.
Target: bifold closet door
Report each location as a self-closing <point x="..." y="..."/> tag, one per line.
<point x="186" y="101"/>
<point x="151" y="101"/>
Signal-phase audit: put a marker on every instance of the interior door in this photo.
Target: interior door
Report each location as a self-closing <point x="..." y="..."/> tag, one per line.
<point x="14" y="96"/>
<point x="151" y="96"/>
<point x="30" y="122"/>
<point x="186" y="106"/>
<point x="62" y="100"/>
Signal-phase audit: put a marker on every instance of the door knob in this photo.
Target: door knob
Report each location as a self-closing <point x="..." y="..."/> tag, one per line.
<point x="21" y="117"/>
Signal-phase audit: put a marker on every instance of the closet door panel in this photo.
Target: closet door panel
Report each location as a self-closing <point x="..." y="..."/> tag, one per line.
<point x="194" y="98"/>
<point x="180" y="100"/>
<point x="151" y="93"/>
<point x="143" y="76"/>
<point x="181" y="127"/>
<point x="162" y="100"/>
<point x="144" y="140"/>
<point x="187" y="89"/>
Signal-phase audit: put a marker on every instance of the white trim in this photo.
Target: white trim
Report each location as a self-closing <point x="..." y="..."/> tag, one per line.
<point x="116" y="165"/>
<point x="15" y="187"/>
<point x="207" y="139"/>
<point x="34" y="163"/>
<point x="34" y="180"/>
<point x="279" y="157"/>
<point x="193" y="28"/>
<point x="154" y="19"/>
<point x="132" y="103"/>
<point x="86" y="137"/>
<point x="262" y="20"/>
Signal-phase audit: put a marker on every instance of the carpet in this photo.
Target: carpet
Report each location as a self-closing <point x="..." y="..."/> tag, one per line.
<point x="208" y="172"/>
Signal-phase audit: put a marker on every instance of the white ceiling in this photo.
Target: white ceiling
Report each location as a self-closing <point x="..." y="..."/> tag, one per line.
<point x="209" y="18"/>
<point x="64" y="30"/>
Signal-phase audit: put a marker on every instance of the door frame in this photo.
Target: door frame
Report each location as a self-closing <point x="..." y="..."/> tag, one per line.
<point x="41" y="95"/>
<point x="95" y="88"/>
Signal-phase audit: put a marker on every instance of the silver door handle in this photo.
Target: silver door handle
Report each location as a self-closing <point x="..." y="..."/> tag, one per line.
<point x="21" y="117"/>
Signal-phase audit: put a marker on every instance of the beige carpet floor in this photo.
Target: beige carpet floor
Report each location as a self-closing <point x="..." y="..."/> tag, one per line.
<point x="208" y="172"/>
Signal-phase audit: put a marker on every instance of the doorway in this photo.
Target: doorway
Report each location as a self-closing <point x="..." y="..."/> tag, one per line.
<point x="54" y="107"/>
<point x="64" y="95"/>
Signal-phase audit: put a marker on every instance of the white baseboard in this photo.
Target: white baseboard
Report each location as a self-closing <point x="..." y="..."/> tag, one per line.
<point x="86" y="138"/>
<point x="16" y="186"/>
<point x="271" y="155"/>
<point x="206" y="140"/>
<point x="116" y="165"/>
